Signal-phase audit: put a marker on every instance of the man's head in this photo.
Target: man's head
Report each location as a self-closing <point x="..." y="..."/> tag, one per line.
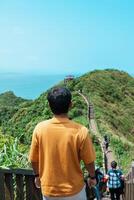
<point x="113" y="164"/>
<point x="59" y="100"/>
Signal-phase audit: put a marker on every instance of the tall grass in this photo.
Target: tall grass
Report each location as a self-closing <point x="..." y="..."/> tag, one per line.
<point x="13" y="155"/>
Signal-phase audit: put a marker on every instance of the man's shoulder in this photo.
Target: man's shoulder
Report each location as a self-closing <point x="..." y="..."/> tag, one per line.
<point x="43" y="124"/>
<point x="79" y="126"/>
<point x="81" y="130"/>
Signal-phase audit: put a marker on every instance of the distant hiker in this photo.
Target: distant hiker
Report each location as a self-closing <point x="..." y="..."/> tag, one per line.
<point x="94" y="192"/>
<point x="101" y="183"/>
<point x="115" y="177"/>
<point x="106" y="142"/>
<point x="58" y="146"/>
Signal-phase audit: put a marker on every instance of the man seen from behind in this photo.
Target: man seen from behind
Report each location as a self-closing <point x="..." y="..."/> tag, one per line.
<point x="58" y="145"/>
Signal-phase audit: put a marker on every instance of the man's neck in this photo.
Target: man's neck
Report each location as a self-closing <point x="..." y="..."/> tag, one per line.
<point x="64" y="115"/>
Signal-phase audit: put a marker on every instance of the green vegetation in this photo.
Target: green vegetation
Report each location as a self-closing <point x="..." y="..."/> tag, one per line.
<point x="12" y="153"/>
<point x="124" y="152"/>
<point x="112" y="94"/>
<point x="9" y="105"/>
<point x="9" y="99"/>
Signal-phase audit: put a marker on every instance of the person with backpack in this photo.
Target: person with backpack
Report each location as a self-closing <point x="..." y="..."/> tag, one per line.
<point x="99" y="177"/>
<point x="115" y="178"/>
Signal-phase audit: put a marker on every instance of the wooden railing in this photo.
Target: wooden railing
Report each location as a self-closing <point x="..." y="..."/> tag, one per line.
<point x="129" y="184"/>
<point x="18" y="184"/>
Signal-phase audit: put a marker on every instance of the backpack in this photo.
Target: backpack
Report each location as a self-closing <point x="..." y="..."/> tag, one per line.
<point x="122" y="184"/>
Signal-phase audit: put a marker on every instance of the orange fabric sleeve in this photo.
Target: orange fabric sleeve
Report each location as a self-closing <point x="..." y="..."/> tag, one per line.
<point x="34" y="149"/>
<point x="87" y="152"/>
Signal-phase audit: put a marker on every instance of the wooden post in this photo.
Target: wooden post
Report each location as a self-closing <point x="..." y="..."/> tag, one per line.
<point x="2" y="188"/>
<point x="132" y="171"/>
<point x="29" y="187"/>
<point x="132" y="191"/>
<point x="19" y="187"/>
<point x="9" y="186"/>
<point x="31" y="191"/>
<point x="18" y="184"/>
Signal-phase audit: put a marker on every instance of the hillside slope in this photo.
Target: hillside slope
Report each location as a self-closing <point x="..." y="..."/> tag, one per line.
<point x="9" y="105"/>
<point x="112" y="94"/>
<point x="9" y="99"/>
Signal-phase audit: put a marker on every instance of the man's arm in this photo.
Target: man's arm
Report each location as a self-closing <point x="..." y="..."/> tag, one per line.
<point x="91" y="169"/>
<point x="34" y="157"/>
<point x="87" y="154"/>
<point x="35" y="166"/>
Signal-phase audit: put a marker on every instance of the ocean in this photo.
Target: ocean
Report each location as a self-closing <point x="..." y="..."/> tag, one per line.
<point x="28" y="86"/>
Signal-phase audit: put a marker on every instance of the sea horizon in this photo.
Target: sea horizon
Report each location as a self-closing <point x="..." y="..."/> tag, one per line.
<point x="29" y="86"/>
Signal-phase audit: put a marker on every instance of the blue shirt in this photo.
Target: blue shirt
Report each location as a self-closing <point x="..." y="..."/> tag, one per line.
<point x="114" y="178"/>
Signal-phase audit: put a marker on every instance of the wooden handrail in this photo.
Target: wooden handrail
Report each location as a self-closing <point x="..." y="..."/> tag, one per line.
<point x="18" y="184"/>
<point x="129" y="184"/>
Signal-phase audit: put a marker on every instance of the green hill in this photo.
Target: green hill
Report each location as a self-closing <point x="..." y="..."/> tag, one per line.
<point x="11" y="150"/>
<point x="110" y="91"/>
<point x="9" y="105"/>
<point x="9" y="99"/>
<point x="112" y="94"/>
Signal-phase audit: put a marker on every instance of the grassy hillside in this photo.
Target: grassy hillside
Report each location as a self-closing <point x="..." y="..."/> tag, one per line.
<point x="112" y="94"/>
<point x="9" y="105"/>
<point x="9" y="99"/>
<point x="12" y="152"/>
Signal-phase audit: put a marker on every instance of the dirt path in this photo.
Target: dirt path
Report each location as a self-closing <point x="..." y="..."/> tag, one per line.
<point x="108" y="154"/>
<point x="109" y="157"/>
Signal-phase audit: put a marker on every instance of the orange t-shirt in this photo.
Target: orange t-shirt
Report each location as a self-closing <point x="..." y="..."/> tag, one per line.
<point x="59" y="145"/>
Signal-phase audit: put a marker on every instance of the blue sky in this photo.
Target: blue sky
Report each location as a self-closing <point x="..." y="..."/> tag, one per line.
<point x="72" y="36"/>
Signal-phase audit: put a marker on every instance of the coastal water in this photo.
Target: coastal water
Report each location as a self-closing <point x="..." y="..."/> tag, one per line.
<point x="28" y="86"/>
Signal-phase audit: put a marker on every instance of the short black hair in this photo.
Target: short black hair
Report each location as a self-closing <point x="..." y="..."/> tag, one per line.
<point x="113" y="164"/>
<point x="59" y="100"/>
